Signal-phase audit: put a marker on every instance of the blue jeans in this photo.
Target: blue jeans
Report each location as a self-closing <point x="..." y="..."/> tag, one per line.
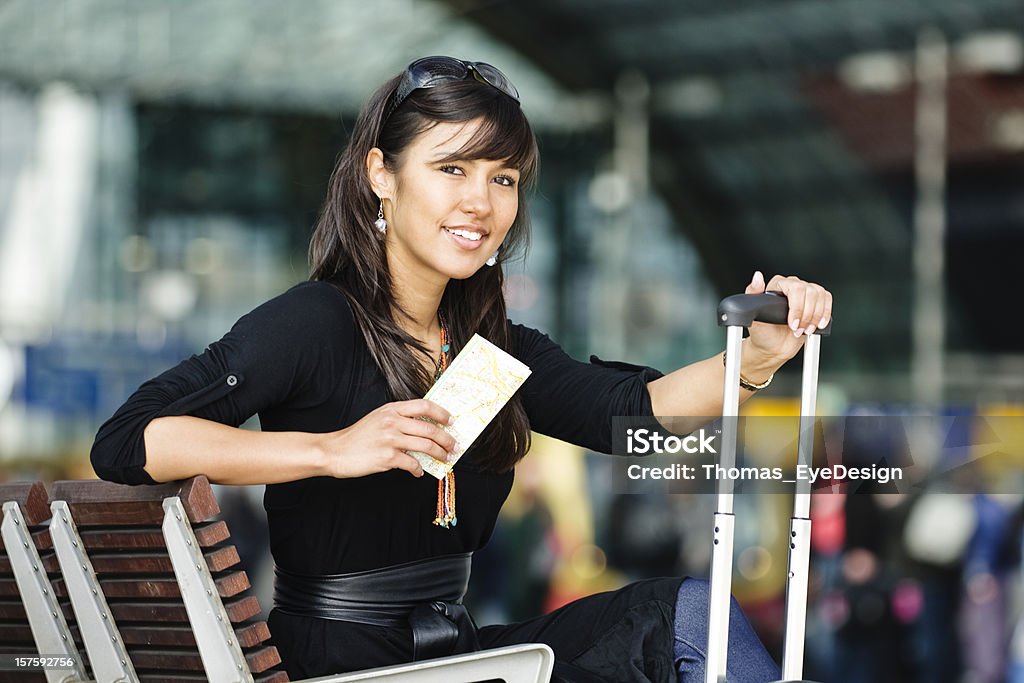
<point x="748" y="661"/>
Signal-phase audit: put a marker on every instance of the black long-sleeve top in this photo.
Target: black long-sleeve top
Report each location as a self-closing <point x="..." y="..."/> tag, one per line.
<point x="300" y="362"/>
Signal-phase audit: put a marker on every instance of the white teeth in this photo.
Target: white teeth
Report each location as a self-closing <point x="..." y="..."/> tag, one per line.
<point x="475" y="236"/>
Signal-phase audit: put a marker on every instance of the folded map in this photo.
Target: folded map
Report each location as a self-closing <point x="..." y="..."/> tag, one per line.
<point x="474" y="388"/>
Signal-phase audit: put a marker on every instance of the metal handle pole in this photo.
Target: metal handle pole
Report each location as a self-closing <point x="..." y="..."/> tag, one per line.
<point x="721" y="554"/>
<point x="800" y="524"/>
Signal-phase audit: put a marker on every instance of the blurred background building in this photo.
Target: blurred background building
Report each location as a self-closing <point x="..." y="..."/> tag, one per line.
<point x="162" y="163"/>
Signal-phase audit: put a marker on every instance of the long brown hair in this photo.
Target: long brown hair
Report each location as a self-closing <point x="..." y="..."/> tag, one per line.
<point x="346" y="249"/>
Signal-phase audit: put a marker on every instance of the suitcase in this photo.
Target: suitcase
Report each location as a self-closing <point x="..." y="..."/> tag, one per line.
<point x="736" y="313"/>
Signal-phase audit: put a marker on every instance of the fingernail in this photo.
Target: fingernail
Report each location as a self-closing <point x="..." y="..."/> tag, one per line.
<point x="451" y="420"/>
<point x="793" y="325"/>
<point x="452" y="457"/>
<point x="823" y="323"/>
<point x="810" y="330"/>
<point x="798" y="332"/>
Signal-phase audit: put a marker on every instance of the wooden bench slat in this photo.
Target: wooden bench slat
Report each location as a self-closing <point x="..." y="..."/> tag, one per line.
<point x="155" y="676"/>
<point x="252" y="635"/>
<point x="131" y="563"/>
<point x="207" y="534"/>
<point x="262" y="659"/>
<point x="259" y="660"/>
<point x="242" y="609"/>
<point x="165" y="636"/>
<point x="239" y="610"/>
<point x="232" y="583"/>
<point x="103" y="503"/>
<point x="183" y="660"/>
<point x="17" y="649"/>
<point x="228" y="585"/>
<point x="271" y="677"/>
<point x="31" y="496"/>
<point x="16" y="633"/>
<point x="153" y="635"/>
<point x="147" y="612"/>
<point x="42" y="539"/>
<point x="50" y="564"/>
<point x="12" y="611"/>
<point x="217" y="559"/>
<point x="248" y="635"/>
<point x="220" y="559"/>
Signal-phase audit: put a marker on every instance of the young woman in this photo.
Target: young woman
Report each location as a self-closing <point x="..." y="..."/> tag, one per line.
<point x="423" y="206"/>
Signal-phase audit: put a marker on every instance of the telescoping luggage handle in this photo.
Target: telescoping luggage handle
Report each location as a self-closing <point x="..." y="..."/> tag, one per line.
<point x="736" y="313"/>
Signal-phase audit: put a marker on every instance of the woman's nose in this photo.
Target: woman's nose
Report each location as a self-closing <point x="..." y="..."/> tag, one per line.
<point x="477" y="198"/>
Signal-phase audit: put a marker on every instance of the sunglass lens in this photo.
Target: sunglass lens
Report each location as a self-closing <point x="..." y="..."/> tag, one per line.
<point x="496" y="79"/>
<point x="431" y="70"/>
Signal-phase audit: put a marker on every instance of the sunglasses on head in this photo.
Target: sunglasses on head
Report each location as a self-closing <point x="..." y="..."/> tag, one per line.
<point x="431" y="71"/>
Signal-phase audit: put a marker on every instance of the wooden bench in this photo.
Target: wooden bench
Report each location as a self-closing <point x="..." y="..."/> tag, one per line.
<point x="117" y="571"/>
<point x="155" y="587"/>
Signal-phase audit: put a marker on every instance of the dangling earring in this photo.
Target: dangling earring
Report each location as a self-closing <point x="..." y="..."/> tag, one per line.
<point x="493" y="259"/>
<point x="380" y="223"/>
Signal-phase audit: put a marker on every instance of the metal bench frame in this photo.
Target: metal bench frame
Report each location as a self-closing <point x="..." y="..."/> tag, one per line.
<point x="46" y="620"/>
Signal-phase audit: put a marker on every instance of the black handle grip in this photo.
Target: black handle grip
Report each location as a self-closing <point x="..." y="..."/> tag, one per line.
<point x="770" y="307"/>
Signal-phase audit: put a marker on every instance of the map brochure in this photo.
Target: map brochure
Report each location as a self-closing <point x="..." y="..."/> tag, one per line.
<point x="474" y="388"/>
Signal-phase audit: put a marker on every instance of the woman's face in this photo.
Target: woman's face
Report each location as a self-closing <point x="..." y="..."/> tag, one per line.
<point x="446" y="218"/>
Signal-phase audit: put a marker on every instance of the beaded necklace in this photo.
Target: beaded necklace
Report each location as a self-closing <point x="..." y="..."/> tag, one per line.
<point x="445" y="487"/>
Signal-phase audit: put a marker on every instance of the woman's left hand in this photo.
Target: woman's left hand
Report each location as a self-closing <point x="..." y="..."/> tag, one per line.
<point x="810" y="308"/>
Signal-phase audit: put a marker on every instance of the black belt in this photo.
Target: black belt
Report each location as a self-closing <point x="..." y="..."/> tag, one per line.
<point x="425" y="595"/>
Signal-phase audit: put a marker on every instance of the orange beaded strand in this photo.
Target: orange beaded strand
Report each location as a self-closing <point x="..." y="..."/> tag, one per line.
<point x="446" y="501"/>
<point x="445" y="487"/>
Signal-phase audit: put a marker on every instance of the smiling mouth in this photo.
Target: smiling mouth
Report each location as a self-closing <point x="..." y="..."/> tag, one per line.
<point x="466" y="234"/>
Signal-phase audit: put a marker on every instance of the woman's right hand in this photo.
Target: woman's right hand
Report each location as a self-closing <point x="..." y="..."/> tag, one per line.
<point x="382" y="439"/>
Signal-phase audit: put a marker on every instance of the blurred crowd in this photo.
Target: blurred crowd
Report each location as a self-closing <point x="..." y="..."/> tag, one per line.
<point x="905" y="587"/>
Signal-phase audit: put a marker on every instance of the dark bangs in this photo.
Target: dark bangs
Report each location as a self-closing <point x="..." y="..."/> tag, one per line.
<point x="504" y="134"/>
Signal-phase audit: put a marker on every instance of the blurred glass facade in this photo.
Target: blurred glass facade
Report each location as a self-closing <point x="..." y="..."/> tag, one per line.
<point x="162" y="164"/>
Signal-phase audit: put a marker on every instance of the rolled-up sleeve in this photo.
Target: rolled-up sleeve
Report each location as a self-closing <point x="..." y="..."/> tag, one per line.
<point x="575" y="401"/>
<point x="268" y="357"/>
